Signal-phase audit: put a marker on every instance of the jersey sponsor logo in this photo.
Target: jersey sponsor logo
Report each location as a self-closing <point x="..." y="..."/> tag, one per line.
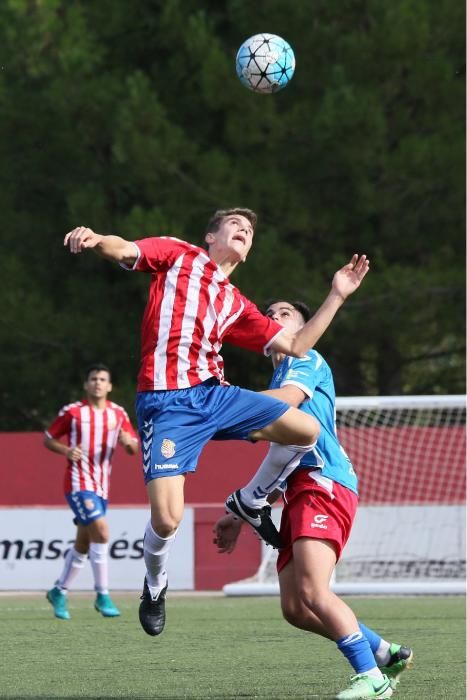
<point x="320" y="521"/>
<point x="167" y="448"/>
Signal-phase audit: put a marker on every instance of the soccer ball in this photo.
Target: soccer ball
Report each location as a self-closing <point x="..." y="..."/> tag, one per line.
<point x="265" y="63"/>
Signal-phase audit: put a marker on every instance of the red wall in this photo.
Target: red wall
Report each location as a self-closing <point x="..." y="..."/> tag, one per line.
<point x="386" y="460"/>
<point x="32" y="475"/>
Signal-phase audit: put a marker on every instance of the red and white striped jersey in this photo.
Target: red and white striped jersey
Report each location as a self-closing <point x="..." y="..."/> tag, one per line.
<point x="192" y="308"/>
<point x="96" y="432"/>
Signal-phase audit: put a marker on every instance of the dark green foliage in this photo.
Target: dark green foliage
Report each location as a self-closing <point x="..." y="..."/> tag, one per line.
<point x="129" y="118"/>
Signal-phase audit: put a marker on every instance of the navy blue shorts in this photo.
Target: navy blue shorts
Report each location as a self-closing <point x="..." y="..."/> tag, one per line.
<point x="87" y="506"/>
<point x="175" y="425"/>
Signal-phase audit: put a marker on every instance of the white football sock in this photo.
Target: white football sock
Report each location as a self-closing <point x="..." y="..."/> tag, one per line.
<point x="383" y="655"/>
<point x="278" y="464"/>
<point x="74" y="562"/>
<point x="100" y="565"/>
<point x="156" y="553"/>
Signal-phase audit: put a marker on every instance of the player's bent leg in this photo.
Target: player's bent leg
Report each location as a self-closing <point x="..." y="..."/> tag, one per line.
<point x="314" y="562"/>
<point x="250" y="502"/>
<point x="401" y="660"/>
<point x="97" y="530"/>
<point x="167" y="504"/>
<point x="82" y="540"/>
<point x="294" y="427"/>
<point x="74" y="562"/>
<point x="167" y="500"/>
<point x="293" y="609"/>
<point x="98" y="533"/>
<point x="259" y="518"/>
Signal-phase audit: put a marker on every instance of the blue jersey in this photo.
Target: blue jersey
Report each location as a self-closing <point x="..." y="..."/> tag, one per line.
<point x="313" y="376"/>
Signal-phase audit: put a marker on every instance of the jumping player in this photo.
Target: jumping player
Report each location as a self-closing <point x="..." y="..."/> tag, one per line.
<point x="320" y="504"/>
<point x="182" y="400"/>
<point x="92" y="428"/>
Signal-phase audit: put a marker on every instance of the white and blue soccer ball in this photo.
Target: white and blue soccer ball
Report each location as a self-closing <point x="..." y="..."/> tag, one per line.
<point x="265" y="63"/>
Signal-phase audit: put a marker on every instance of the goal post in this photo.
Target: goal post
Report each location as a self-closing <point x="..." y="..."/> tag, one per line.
<point x="409" y="533"/>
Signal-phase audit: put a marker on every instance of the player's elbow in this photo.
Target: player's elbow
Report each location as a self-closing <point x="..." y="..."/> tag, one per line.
<point x="298" y="348"/>
<point x="295" y="345"/>
<point x="286" y="343"/>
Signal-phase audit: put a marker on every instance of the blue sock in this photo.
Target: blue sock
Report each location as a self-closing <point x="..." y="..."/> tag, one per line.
<point x="356" y="649"/>
<point x="373" y="638"/>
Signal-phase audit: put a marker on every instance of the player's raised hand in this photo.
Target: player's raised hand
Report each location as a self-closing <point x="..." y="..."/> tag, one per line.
<point x="348" y="278"/>
<point x="81" y="238"/>
<point x="226" y="532"/>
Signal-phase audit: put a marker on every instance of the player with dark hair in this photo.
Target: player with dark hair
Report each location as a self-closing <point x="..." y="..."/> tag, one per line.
<point x="183" y="400"/>
<point x="92" y="427"/>
<point x="320" y="504"/>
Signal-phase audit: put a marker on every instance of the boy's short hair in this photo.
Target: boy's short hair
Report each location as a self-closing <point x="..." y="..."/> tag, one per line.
<point x="97" y="367"/>
<point x="219" y="215"/>
<point x="299" y="306"/>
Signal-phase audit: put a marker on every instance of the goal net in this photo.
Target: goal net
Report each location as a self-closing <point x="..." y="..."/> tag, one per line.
<point x="409" y="532"/>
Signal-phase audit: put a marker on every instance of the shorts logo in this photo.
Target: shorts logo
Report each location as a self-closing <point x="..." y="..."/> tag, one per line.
<point x="167" y="448"/>
<point x="320" y="521"/>
<point x="89" y="504"/>
<point x="146" y="439"/>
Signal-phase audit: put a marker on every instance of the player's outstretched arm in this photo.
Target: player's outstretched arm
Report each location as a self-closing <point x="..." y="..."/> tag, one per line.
<point x="113" y="248"/>
<point x="346" y="281"/>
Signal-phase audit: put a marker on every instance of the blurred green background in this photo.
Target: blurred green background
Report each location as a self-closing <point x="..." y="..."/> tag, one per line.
<point x="128" y="117"/>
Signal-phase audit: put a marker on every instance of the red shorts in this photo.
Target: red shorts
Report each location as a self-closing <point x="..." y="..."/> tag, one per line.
<point x="311" y="510"/>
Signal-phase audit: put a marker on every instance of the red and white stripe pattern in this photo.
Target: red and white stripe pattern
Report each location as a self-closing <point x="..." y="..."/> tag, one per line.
<point x="192" y="307"/>
<point x="96" y="432"/>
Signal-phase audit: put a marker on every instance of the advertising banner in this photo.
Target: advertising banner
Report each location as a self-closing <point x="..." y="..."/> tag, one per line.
<point x="34" y="542"/>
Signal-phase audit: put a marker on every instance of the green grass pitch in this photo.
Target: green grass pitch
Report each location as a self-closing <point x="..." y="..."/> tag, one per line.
<point x="215" y="647"/>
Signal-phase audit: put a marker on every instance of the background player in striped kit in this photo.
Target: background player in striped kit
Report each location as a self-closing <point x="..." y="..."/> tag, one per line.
<point x="320" y="505"/>
<point x="92" y="428"/>
<point x="183" y="401"/>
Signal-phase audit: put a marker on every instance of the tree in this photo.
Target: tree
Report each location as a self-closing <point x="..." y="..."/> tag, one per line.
<point x="134" y="122"/>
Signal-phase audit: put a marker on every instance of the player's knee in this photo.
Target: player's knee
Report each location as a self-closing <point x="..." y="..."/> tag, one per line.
<point x="290" y="613"/>
<point x="98" y="531"/>
<point x="165" y="525"/>
<point x="309" y="431"/>
<point x="309" y="596"/>
<point x="315" y="598"/>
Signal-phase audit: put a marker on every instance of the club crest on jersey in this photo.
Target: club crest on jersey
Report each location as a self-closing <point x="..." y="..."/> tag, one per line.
<point x="88" y="504"/>
<point x="167" y="448"/>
